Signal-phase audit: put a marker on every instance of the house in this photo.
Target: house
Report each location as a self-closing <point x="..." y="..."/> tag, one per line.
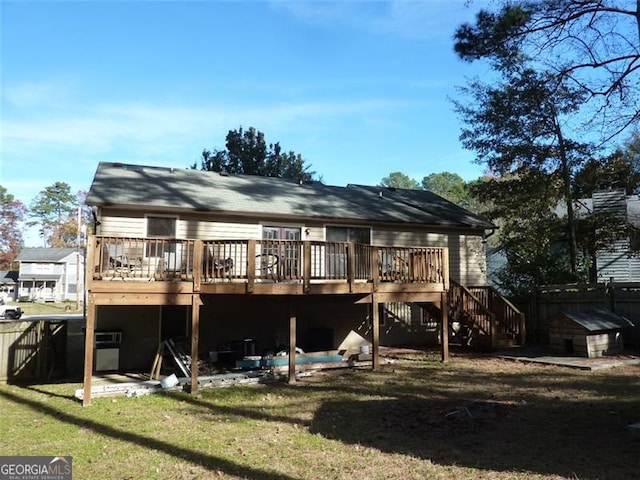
<point x="50" y="274"/>
<point x="8" y="285"/>
<point x="589" y="333"/>
<point x="241" y="265"/>
<point x="618" y="263"/>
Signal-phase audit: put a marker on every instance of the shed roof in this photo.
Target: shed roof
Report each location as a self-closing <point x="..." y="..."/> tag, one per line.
<point x="599" y="319"/>
<point x="160" y="188"/>
<point x="43" y="254"/>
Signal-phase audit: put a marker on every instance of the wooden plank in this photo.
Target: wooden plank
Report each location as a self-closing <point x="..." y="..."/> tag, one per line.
<point x="292" y="343"/>
<point x="88" y="350"/>
<point x="157" y="362"/>
<point x="388" y="297"/>
<point x="141" y="299"/>
<point x="195" y="338"/>
<point x="409" y="287"/>
<point x="132" y="286"/>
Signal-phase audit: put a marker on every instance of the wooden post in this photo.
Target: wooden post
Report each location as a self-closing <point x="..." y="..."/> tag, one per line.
<point x="195" y="335"/>
<point x="375" y="267"/>
<point x="523" y="329"/>
<point x="375" y="328"/>
<point x="445" y="268"/>
<point x="292" y="343"/>
<point x="444" y="327"/>
<point x="351" y="265"/>
<point x="89" y="343"/>
<point x="198" y="267"/>
<point x="306" y="264"/>
<point x="251" y="265"/>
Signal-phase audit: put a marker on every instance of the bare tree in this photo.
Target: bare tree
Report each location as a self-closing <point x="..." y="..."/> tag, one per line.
<point x="594" y="44"/>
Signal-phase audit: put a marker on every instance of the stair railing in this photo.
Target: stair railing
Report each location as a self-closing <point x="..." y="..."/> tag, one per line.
<point x="464" y="302"/>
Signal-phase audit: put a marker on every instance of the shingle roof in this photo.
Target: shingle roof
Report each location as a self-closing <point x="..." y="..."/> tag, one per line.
<point x="42" y="254"/>
<point x="193" y="190"/>
<point x="599" y="319"/>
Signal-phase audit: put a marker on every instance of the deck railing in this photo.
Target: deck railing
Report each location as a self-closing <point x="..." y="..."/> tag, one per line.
<point x="163" y="259"/>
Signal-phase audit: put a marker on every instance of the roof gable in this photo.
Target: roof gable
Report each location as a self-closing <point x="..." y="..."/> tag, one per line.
<point x="194" y="190"/>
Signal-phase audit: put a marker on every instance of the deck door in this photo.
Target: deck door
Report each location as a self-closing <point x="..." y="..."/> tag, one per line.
<point x="288" y="253"/>
<point x="336" y="258"/>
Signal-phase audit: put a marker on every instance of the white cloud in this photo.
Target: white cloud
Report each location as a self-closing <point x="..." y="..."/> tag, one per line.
<point x="414" y="19"/>
<point x="102" y="127"/>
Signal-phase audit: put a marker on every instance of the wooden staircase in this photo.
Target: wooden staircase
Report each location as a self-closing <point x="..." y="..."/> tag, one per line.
<point x="481" y="317"/>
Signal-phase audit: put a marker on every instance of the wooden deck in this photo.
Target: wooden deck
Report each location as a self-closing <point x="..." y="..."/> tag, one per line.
<point x="144" y="271"/>
<point x="136" y="270"/>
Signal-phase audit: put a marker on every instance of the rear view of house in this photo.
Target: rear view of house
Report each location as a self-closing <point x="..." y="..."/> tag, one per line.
<point x="247" y="264"/>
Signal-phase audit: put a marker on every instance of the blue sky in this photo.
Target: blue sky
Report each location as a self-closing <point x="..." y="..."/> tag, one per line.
<point x="358" y="88"/>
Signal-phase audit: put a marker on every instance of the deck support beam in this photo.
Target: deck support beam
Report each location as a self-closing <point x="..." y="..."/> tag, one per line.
<point x="292" y="342"/>
<point x="375" y="327"/>
<point x="89" y="346"/>
<point x="195" y="340"/>
<point x="444" y="326"/>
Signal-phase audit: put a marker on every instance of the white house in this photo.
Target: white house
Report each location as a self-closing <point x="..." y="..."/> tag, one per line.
<point x="50" y="274"/>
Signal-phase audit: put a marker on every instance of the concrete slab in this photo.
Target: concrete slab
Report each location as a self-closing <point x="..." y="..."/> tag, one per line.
<point x="542" y="356"/>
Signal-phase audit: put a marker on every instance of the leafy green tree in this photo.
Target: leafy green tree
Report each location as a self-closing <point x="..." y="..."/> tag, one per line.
<point x="517" y="126"/>
<point x="55" y="209"/>
<point x="621" y="169"/>
<point x="247" y="153"/>
<point x="531" y="235"/>
<point x="448" y="185"/>
<point x="12" y="214"/>
<point x="399" y="180"/>
<point x="592" y="45"/>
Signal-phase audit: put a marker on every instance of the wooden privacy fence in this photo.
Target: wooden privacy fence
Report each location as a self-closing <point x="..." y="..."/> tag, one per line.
<point x="31" y="350"/>
<point x="621" y="298"/>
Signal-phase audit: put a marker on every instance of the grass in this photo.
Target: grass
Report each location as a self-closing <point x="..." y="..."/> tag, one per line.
<point x="47" y="308"/>
<point x="472" y="418"/>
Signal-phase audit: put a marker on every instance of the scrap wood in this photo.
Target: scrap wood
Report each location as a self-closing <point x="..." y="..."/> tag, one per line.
<point x="129" y="389"/>
<point x="181" y="359"/>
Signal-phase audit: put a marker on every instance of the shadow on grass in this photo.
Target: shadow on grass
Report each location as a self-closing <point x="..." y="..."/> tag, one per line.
<point x="572" y="440"/>
<point x="207" y="461"/>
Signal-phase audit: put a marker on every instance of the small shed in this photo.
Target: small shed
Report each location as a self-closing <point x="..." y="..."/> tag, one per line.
<point x="588" y="333"/>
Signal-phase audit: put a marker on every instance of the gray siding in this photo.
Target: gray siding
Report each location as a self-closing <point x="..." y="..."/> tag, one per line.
<point x="616" y="262"/>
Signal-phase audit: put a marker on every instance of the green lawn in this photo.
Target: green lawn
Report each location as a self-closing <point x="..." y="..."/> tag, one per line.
<point x="474" y="417"/>
<point x="47" y="308"/>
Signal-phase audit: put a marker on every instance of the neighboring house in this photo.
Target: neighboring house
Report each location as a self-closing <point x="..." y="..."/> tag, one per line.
<point x="50" y="274"/>
<point x="619" y="263"/>
<point x="8" y="285"/>
<point x="236" y="262"/>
